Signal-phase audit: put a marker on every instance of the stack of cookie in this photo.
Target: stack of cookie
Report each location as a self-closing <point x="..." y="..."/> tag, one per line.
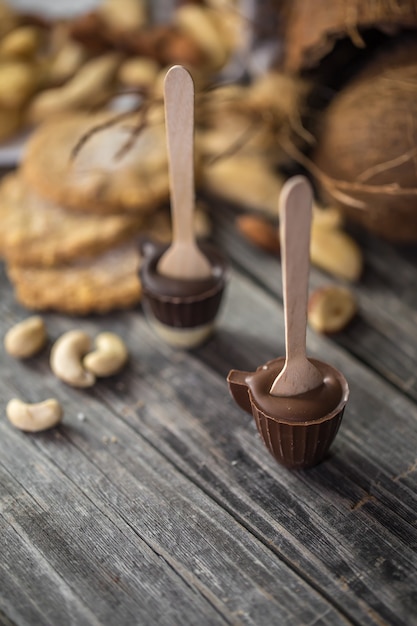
<point x="72" y="213"/>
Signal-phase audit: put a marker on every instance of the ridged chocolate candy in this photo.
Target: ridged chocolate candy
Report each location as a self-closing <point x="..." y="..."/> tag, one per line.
<point x="297" y="430"/>
<point x="181" y="311"/>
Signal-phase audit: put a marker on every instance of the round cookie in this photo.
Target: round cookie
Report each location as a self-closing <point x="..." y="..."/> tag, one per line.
<point x="38" y="232"/>
<point x="97" y="177"/>
<point x="100" y="285"/>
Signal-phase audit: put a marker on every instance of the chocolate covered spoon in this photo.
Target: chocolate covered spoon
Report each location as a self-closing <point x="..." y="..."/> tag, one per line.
<point x="183" y="259"/>
<point x="298" y="374"/>
<point x="297" y="403"/>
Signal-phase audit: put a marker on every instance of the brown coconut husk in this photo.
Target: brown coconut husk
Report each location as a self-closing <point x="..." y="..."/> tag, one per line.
<point x="311" y="29"/>
<point x="365" y="160"/>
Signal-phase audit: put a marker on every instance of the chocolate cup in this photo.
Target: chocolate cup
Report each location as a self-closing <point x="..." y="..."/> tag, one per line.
<point x="295" y="441"/>
<point x="188" y="306"/>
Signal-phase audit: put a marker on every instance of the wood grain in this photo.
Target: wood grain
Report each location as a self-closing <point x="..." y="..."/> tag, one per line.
<point x="156" y="502"/>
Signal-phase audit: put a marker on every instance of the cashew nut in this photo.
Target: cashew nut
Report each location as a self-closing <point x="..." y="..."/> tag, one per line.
<point x="89" y="85"/>
<point x="26" y="338"/>
<point x="66" y="359"/>
<point x="68" y="60"/>
<point x="22" y="42"/>
<point x="138" y="72"/>
<point x="336" y="252"/>
<point x="34" y="417"/>
<point x="108" y="358"/>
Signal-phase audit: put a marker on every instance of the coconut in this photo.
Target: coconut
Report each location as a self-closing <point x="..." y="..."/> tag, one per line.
<point x="310" y="30"/>
<point x="365" y="160"/>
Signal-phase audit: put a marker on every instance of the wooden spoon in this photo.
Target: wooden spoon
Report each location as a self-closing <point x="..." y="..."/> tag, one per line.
<point x="299" y="374"/>
<point x="183" y="259"/>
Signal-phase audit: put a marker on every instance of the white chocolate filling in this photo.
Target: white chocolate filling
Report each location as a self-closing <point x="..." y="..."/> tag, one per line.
<point x="183" y="337"/>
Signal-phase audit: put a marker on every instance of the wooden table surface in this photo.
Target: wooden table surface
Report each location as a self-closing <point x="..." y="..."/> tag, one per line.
<point x="155" y="501"/>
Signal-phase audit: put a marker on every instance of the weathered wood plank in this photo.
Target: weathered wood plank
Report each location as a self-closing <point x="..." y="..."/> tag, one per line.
<point x="27" y="580"/>
<point x="99" y="507"/>
<point x="4" y="620"/>
<point x="82" y="562"/>
<point x="164" y="529"/>
<point x="346" y="528"/>
<point x="320" y="533"/>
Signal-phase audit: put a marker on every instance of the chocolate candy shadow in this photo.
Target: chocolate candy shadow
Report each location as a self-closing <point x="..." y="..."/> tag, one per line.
<point x="297" y="431"/>
<point x="181" y="311"/>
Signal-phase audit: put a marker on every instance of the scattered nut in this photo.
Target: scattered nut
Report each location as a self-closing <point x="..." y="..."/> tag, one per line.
<point x="124" y="15"/>
<point x="138" y="72"/>
<point x="34" y="417"/>
<point x="26" y="338"/>
<point x="108" y="358"/>
<point x="331" y="308"/>
<point x="259" y="232"/>
<point x="19" y="81"/>
<point x="201" y="24"/>
<point x="230" y="21"/>
<point x="67" y="61"/>
<point x="89" y="86"/>
<point x="181" y="47"/>
<point x="335" y="252"/>
<point x="66" y="359"/>
<point x="22" y="42"/>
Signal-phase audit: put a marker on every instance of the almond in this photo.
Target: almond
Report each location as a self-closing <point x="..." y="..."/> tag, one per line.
<point x="331" y="308"/>
<point x="259" y="232"/>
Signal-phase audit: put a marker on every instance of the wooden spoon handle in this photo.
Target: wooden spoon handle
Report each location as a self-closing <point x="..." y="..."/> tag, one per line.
<point x="299" y="374"/>
<point x="183" y="259"/>
<point x="179" y="115"/>
<point x="295" y="216"/>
